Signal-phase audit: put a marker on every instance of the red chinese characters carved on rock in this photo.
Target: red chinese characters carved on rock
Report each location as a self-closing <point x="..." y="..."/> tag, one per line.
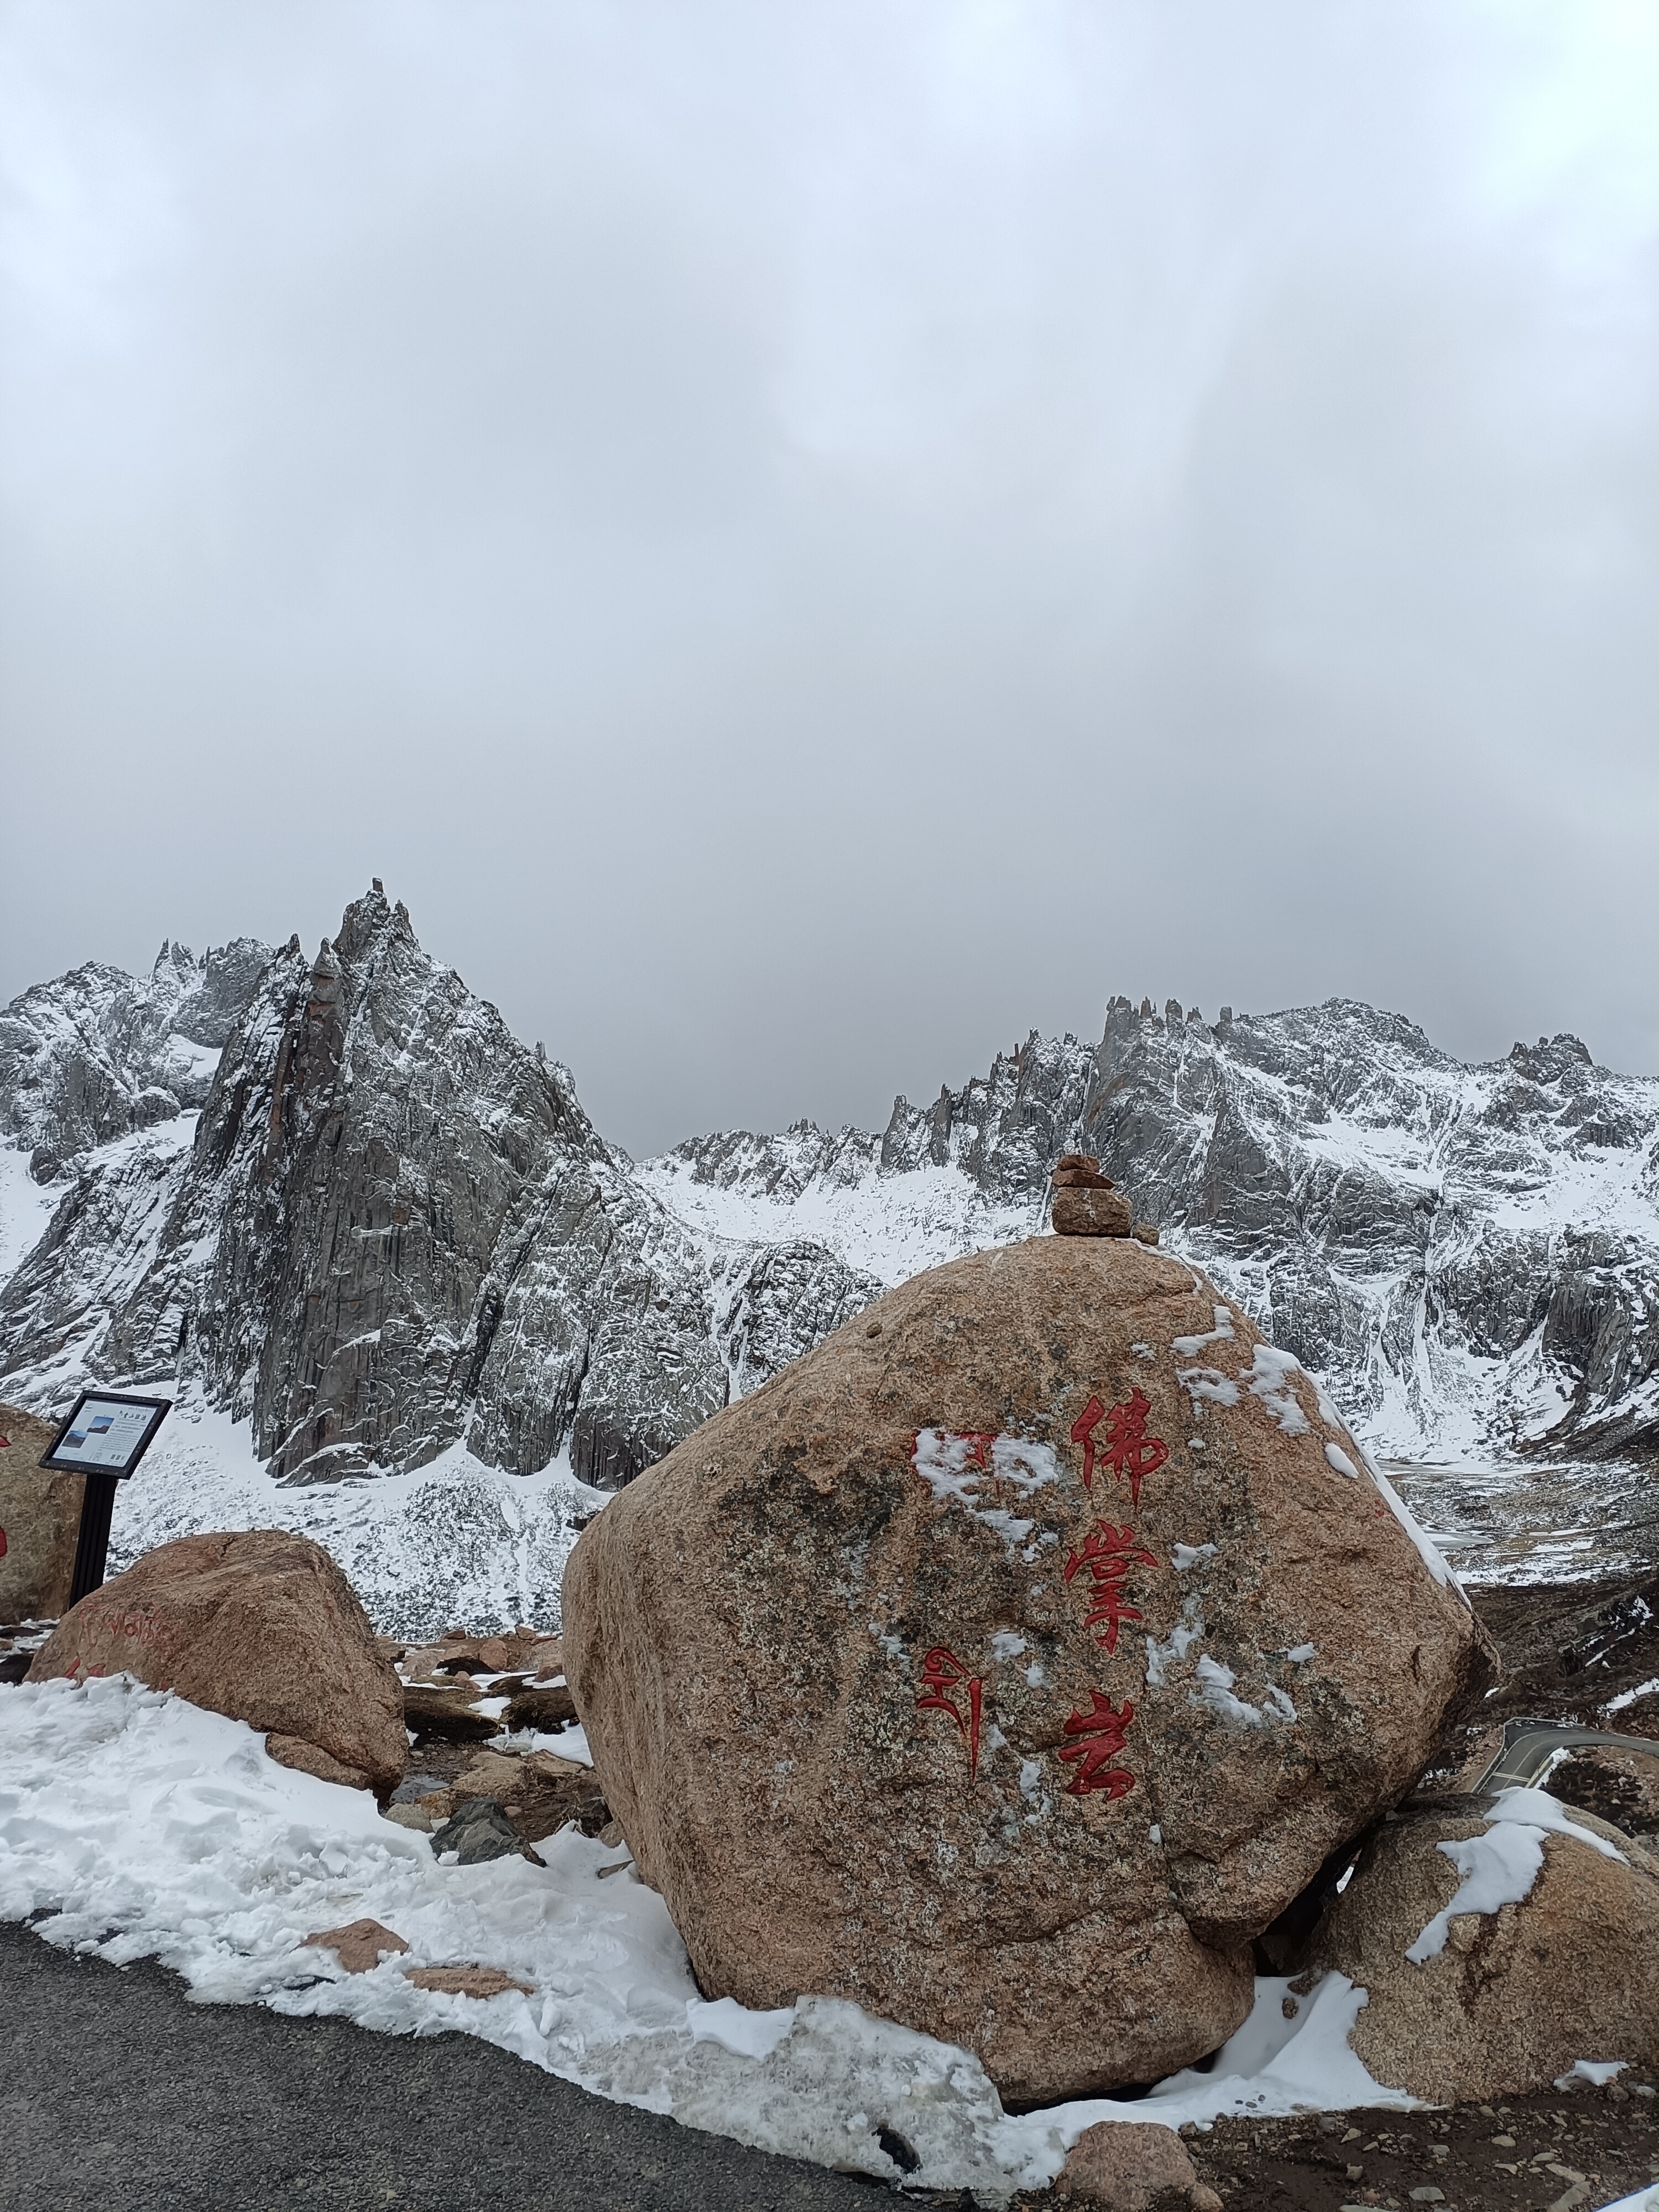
<point x="1098" y="1738"/>
<point x="943" y="1672"/>
<point x="1129" y="1450"/>
<point x="1104" y="1554"/>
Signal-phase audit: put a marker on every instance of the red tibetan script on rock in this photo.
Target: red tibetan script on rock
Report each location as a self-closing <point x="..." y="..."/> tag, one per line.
<point x="1104" y="1554"/>
<point x="943" y="1672"/>
<point x="1098" y="1739"/>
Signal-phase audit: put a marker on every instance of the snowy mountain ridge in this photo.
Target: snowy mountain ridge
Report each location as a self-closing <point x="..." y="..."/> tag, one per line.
<point x="339" y="1200"/>
<point x="384" y="1226"/>
<point x="1468" y="1256"/>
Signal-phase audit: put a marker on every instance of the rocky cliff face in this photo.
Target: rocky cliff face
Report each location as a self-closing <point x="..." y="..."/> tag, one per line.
<point x="99" y="1054"/>
<point x="390" y="1226"/>
<point x="337" y="1197"/>
<point x="1468" y="1256"/>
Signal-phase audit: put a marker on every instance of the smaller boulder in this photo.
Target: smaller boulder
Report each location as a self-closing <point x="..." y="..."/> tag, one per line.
<point x="259" y="1624"/>
<point x="39" y="1522"/>
<point x="412" y="1816"/>
<point x="1497" y="1950"/>
<point x="544" y="1708"/>
<point x="1092" y="1213"/>
<point x="1129" y="2166"/>
<point x="1079" y="1172"/>
<point x="449" y="1710"/>
<point x="359" y="1945"/>
<point x="467" y="1981"/>
<point x="558" y="1792"/>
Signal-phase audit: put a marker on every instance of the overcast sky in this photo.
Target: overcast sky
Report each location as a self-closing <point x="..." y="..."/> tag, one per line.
<point x="806" y="540"/>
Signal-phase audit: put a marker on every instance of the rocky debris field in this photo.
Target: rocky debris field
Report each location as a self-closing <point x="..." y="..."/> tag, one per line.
<point x="1585" y="1653"/>
<point x="1581" y="2146"/>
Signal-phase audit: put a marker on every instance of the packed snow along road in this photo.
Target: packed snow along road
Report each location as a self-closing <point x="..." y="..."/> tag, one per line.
<point x="134" y="1826"/>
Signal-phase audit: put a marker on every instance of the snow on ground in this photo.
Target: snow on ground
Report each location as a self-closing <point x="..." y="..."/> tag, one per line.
<point x="25" y="1209"/>
<point x="1533" y="1521"/>
<point x="454" y="1542"/>
<point x="135" y="1825"/>
<point x="891" y="1228"/>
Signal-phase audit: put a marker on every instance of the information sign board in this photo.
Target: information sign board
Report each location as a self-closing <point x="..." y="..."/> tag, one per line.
<point x="106" y="1434"/>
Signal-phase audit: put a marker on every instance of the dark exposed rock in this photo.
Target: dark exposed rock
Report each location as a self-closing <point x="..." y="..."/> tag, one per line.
<point x="396" y="1227"/>
<point x="788" y="1299"/>
<point x="480" y="1830"/>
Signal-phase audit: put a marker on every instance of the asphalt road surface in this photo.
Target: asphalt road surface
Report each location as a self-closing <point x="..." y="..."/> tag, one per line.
<point x="1528" y="1747"/>
<point x="117" y="2093"/>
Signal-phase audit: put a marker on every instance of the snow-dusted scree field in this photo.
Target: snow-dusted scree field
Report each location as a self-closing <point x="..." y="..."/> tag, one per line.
<point x="410" y="1301"/>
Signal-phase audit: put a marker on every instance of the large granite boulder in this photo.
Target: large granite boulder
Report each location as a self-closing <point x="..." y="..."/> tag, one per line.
<point x="39" y="1522"/>
<point x="1010" y="1661"/>
<point x="1498" y="1944"/>
<point x="260" y="1625"/>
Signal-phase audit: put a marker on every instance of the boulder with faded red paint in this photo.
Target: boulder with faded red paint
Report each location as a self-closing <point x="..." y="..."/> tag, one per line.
<point x="39" y="1522"/>
<point x="260" y="1625"/>
<point x="1010" y="1661"/>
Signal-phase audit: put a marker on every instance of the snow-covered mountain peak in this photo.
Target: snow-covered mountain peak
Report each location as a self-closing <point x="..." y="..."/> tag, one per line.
<point x="335" y="1197"/>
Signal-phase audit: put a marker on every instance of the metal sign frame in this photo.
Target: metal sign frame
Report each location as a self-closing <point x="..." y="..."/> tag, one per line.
<point x="97" y="1498"/>
<point x="53" y="1459"/>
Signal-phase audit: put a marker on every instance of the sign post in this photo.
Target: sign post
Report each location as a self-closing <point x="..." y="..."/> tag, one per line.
<point x="104" y="1438"/>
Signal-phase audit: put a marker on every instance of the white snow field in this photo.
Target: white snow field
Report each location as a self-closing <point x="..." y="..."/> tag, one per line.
<point x="453" y="1543"/>
<point x="135" y="1826"/>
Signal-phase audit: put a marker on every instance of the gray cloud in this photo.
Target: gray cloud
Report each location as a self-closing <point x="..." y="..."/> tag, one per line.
<point x="803" y="541"/>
